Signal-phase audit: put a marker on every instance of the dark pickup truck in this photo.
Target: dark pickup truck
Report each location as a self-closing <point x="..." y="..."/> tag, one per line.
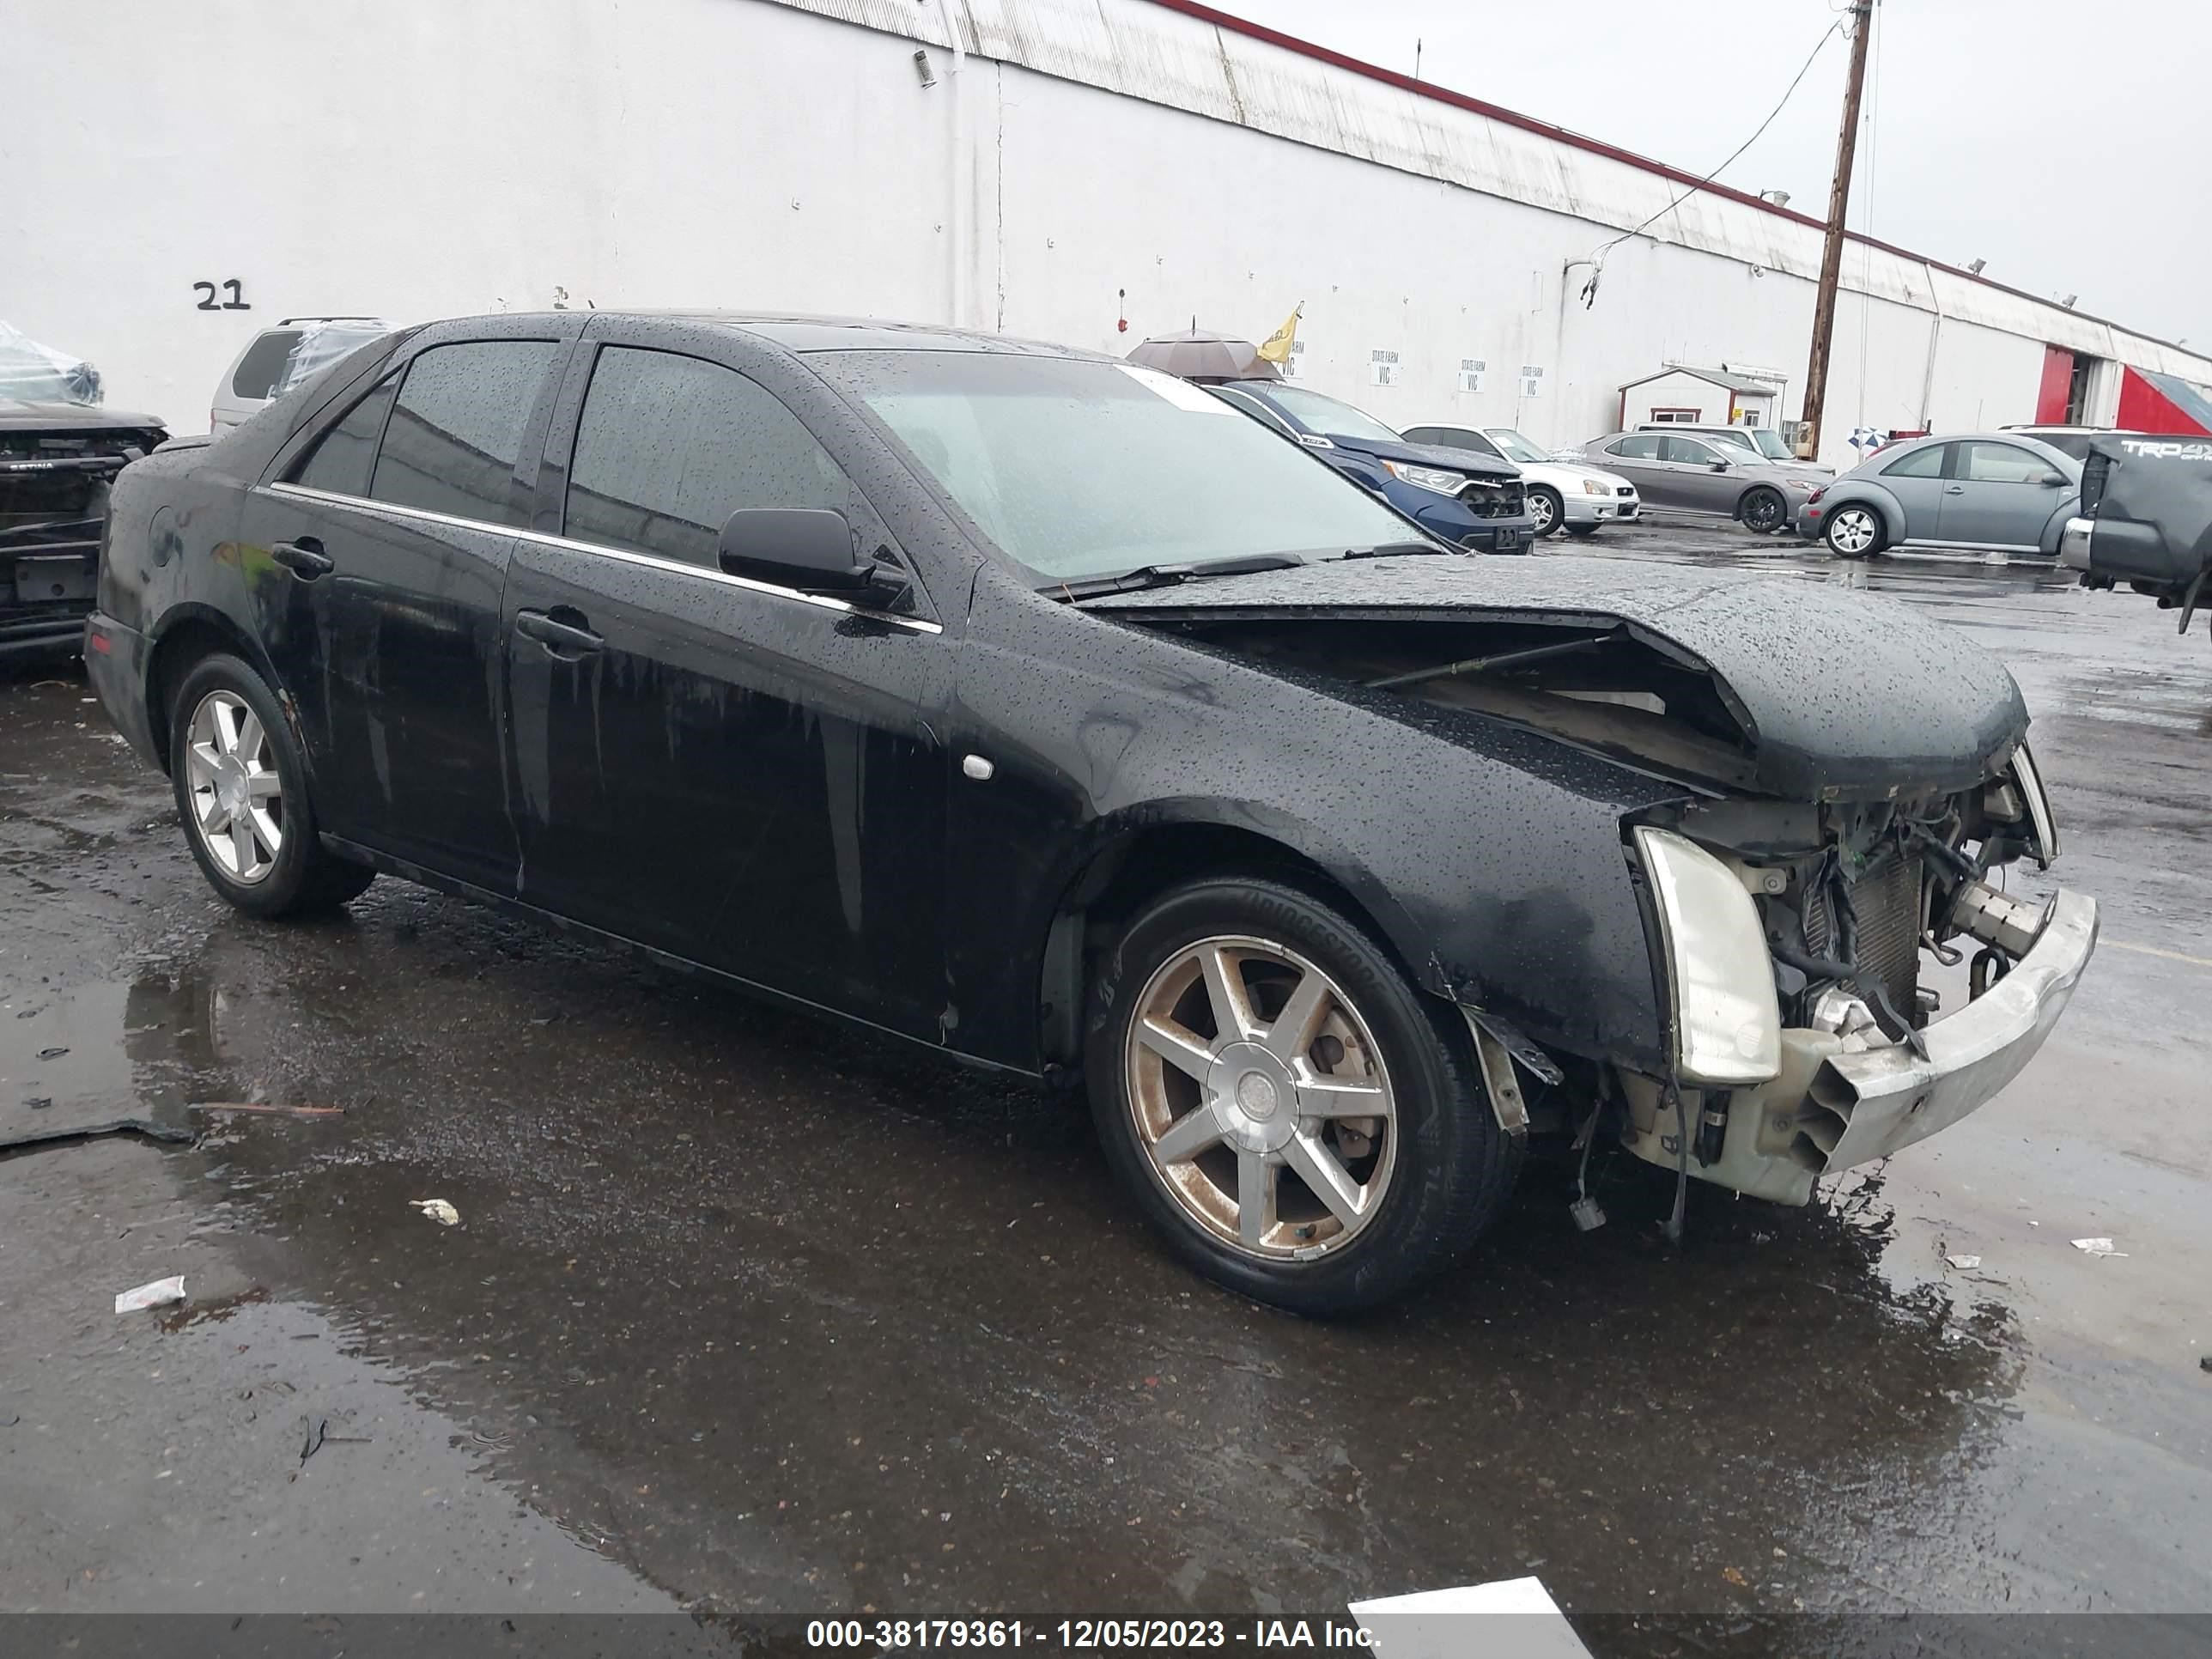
<point x="57" y="460"/>
<point x="2146" y="520"/>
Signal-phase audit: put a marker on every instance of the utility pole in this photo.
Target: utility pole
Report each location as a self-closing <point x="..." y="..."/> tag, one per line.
<point x="1831" y="254"/>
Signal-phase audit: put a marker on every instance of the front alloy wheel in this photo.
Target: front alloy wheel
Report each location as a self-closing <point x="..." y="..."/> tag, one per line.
<point x="1300" y="1119"/>
<point x="237" y="799"/>
<point x="1544" y="508"/>
<point x="1763" y="511"/>
<point x="1260" y="1098"/>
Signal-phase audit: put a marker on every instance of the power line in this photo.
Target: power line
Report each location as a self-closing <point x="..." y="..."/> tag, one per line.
<point x="1598" y="258"/>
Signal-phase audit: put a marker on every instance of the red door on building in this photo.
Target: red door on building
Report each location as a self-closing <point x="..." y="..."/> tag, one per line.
<point x="2056" y="391"/>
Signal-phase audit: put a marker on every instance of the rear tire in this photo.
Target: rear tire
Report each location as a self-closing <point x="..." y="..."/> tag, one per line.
<point x="1546" y="510"/>
<point x="241" y="789"/>
<point x="1213" y="1132"/>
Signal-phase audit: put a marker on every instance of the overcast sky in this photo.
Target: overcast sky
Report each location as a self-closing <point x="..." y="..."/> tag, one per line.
<point x="2069" y="144"/>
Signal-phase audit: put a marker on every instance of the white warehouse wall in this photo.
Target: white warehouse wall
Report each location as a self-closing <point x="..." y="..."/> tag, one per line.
<point x="413" y="159"/>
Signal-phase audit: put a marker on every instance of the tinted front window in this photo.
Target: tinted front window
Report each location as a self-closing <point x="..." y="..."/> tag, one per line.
<point x="257" y="371"/>
<point x="341" y="460"/>
<point x="2003" y="463"/>
<point x="456" y="432"/>
<point x="1634" y="449"/>
<point x="669" y="446"/>
<point x="1076" y="468"/>
<point x="1690" y="453"/>
<point x="1920" y="464"/>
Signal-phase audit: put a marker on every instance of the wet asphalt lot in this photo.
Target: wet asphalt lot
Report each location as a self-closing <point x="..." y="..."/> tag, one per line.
<point x="744" y="1314"/>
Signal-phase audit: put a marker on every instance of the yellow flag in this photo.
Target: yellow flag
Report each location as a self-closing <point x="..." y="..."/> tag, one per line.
<point x="1276" y="349"/>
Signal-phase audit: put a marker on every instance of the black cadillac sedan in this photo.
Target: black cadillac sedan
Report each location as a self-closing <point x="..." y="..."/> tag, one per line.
<point x="1045" y="712"/>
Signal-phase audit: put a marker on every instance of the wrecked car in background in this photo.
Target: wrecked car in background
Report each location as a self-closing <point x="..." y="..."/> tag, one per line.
<point x="58" y="452"/>
<point x="2146" y="520"/>
<point x="1048" y="713"/>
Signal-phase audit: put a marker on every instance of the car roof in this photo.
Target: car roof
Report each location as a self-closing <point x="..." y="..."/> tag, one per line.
<point x="802" y="332"/>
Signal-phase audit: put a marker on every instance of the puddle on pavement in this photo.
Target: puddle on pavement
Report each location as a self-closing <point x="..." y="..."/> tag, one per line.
<point x="782" y="1319"/>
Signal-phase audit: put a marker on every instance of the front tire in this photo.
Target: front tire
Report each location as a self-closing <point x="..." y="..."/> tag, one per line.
<point x="1583" y="532"/>
<point x="1854" y="531"/>
<point x="241" y="788"/>
<point x="1300" y="1123"/>
<point x="1762" y="511"/>
<point x="1546" y="510"/>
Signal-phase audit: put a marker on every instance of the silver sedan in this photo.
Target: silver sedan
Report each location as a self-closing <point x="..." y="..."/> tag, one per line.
<point x="1998" y="492"/>
<point x="1702" y="475"/>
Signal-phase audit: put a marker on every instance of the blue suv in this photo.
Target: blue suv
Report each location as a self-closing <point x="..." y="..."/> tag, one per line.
<point x="1470" y="501"/>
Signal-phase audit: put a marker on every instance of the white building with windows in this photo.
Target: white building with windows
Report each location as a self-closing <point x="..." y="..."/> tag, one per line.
<point x="1087" y="171"/>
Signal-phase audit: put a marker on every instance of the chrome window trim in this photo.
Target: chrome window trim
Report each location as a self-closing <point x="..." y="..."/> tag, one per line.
<point x="649" y="561"/>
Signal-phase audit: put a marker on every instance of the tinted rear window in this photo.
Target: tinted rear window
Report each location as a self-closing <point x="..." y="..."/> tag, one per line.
<point x="343" y="457"/>
<point x="257" y="371"/>
<point x="456" y="432"/>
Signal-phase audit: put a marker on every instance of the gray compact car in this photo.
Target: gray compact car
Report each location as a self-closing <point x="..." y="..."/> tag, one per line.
<point x="1999" y="492"/>
<point x="1702" y="475"/>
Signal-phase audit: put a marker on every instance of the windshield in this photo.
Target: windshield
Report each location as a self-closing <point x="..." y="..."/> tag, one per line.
<point x="1320" y="414"/>
<point x="1516" y="445"/>
<point x="1763" y="441"/>
<point x="1078" y="469"/>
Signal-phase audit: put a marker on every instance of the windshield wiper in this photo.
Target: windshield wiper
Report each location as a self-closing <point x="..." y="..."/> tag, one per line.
<point x="1167" y="575"/>
<point x="1392" y="550"/>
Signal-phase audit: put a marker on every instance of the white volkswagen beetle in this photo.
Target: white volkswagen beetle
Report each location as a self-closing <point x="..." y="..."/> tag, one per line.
<point x="1560" y="493"/>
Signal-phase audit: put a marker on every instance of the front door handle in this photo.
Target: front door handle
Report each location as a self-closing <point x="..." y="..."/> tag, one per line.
<point x="557" y="635"/>
<point x="304" y="558"/>
<point x="1955" y="490"/>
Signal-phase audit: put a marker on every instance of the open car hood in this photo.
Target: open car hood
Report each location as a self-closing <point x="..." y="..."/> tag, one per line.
<point x="1773" y="685"/>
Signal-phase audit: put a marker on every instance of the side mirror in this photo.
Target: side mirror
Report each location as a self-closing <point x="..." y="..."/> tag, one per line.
<point x="808" y="548"/>
<point x="2054" y="480"/>
<point x="1723" y="466"/>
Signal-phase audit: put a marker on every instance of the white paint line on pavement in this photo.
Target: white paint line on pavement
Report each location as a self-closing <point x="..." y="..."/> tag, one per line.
<point x="1519" y="1620"/>
<point x="2153" y="951"/>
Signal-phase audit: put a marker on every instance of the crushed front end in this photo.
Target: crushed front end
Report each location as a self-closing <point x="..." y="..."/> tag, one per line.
<point x="55" y="465"/>
<point x="1792" y="941"/>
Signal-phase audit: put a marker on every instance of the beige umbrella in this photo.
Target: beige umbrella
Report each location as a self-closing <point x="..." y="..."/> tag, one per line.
<point x="1199" y="354"/>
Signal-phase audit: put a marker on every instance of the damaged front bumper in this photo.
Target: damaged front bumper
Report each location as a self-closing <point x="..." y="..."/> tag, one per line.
<point x="1840" y="1101"/>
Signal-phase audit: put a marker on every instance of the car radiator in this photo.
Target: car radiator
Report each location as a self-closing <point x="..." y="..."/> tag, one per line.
<point x="1886" y="899"/>
<point x="1486" y="501"/>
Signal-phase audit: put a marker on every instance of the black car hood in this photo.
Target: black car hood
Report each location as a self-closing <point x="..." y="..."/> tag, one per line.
<point x="16" y="416"/>
<point x="1456" y="460"/>
<point x="1837" y="695"/>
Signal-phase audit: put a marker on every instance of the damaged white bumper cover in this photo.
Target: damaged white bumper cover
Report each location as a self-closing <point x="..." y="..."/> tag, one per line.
<point x="1888" y="1097"/>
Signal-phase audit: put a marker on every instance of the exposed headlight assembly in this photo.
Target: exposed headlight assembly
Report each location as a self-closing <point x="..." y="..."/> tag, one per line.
<point x="2038" y="805"/>
<point x="1592" y="487"/>
<point x="1727" y="1024"/>
<point x="1428" y="477"/>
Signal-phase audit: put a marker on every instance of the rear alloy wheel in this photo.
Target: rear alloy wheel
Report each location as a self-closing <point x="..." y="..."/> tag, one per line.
<point x="240" y="786"/>
<point x="1545" y="509"/>
<point x="1762" y="512"/>
<point x="1853" y="532"/>
<point x="1302" y="1125"/>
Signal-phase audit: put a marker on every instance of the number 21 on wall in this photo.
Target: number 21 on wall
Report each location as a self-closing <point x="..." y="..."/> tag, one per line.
<point x="207" y="291"/>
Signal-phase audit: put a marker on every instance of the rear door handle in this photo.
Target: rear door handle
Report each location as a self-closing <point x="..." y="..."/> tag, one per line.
<point x="557" y="635"/>
<point x="304" y="558"/>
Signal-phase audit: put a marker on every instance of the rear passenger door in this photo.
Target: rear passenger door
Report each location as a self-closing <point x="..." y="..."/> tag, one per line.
<point x="1636" y="458"/>
<point x="376" y="558"/>
<point x="735" y="772"/>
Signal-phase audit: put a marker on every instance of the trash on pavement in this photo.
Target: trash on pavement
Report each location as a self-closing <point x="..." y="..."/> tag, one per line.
<point x="2096" y="1247"/>
<point x="1964" y="1263"/>
<point x="159" y="1294"/>
<point x="439" y="1211"/>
